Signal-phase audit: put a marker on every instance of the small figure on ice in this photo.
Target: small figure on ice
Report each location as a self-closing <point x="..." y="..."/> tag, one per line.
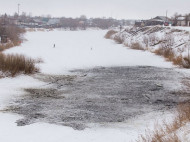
<point x="54" y="46"/>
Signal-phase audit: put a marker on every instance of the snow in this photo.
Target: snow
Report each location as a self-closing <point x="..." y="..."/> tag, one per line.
<point x="181" y="28"/>
<point x="74" y="50"/>
<point x="41" y="132"/>
<point x="81" y="49"/>
<point x="12" y="87"/>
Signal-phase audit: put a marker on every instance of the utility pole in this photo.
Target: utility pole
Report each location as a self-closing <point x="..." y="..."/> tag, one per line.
<point x="167" y="15"/>
<point x="188" y="51"/>
<point x="18" y="9"/>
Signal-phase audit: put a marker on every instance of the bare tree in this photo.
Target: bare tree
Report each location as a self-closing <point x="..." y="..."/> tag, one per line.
<point x="175" y="18"/>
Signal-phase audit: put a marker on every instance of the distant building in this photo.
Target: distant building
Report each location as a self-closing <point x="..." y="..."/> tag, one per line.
<point x="28" y="23"/>
<point x="159" y="20"/>
<point x="139" y="23"/>
<point x="183" y="21"/>
<point x="53" y="22"/>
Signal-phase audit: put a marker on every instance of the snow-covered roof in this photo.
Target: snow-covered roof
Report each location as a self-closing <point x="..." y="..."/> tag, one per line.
<point x="157" y="20"/>
<point x="181" y="18"/>
<point x="162" y="18"/>
<point x="53" y="21"/>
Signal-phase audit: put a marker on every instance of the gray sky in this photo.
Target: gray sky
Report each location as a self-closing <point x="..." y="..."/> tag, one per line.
<point x="127" y="9"/>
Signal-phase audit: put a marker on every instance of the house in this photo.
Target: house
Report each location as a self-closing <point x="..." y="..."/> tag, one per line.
<point x="139" y="23"/>
<point x="53" y="22"/>
<point x="159" y="20"/>
<point x="183" y="21"/>
<point x="28" y="23"/>
<point x="153" y="22"/>
<point x="162" y="18"/>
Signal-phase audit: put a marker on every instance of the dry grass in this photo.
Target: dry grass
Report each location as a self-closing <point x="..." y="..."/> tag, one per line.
<point x="165" y="52"/>
<point x="31" y="30"/>
<point x="110" y="33"/>
<point x="167" y="132"/>
<point x="182" y="61"/>
<point x="136" y="46"/>
<point x="6" y="46"/>
<point x="178" y="60"/>
<point x="119" y="39"/>
<point x="186" y="62"/>
<point x="40" y="29"/>
<point x="169" y="54"/>
<point x="15" y="64"/>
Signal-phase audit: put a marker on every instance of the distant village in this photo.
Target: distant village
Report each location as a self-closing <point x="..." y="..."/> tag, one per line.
<point x="176" y="20"/>
<point x="11" y="25"/>
<point x="82" y="22"/>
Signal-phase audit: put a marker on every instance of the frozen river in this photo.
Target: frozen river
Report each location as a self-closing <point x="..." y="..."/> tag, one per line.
<point x="90" y="89"/>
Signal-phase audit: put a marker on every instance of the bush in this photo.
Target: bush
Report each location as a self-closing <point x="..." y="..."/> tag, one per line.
<point x="153" y="39"/>
<point x="118" y="39"/>
<point x="186" y="62"/>
<point x="146" y="41"/>
<point x="110" y="33"/>
<point x="178" y="60"/>
<point x="15" y="64"/>
<point x="168" y="53"/>
<point x="136" y="46"/>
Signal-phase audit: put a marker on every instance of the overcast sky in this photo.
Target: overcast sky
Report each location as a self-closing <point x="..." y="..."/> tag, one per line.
<point x="126" y="9"/>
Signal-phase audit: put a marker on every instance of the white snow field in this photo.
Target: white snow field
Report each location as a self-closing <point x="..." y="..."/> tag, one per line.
<point x="73" y="50"/>
<point x="81" y="49"/>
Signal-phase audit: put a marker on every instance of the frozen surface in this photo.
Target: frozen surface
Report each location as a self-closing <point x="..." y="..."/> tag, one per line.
<point x="73" y="50"/>
<point x="81" y="49"/>
<point x="100" y="95"/>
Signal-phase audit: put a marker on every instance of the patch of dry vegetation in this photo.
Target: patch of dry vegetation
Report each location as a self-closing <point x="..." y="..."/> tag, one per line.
<point x="15" y="64"/>
<point x="167" y="132"/>
<point x="6" y="46"/>
<point x="31" y="30"/>
<point x="136" y="46"/>
<point x="109" y="34"/>
<point x="118" y="39"/>
<point x="169" y="54"/>
<point x="41" y="30"/>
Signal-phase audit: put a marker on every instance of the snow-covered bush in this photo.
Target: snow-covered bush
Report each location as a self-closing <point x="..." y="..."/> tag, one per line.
<point x="119" y="39"/>
<point x="146" y="41"/>
<point x="153" y="39"/>
<point x="110" y="33"/>
<point x="136" y="46"/>
<point x="167" y="41"/>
